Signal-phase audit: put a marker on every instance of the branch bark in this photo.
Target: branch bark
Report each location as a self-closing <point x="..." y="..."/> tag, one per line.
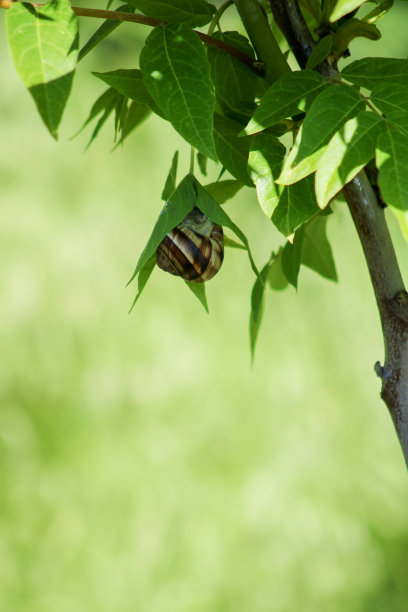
<point x="371" y="226"/>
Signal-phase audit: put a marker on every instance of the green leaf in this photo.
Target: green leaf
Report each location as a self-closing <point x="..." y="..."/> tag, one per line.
<point x="130" y="84"/>
<point x="229" y="242"/>
<point x="330" y="110"/>
<point x="390" y="99"/>
<point x="104" y="106"/>
<point x="372" y="71"/>
<point x="380" y="10"/>
<point x="349" y="150"/>
<point x="233" y="152"/>
<point x="391" y="160"/>
<point x="103" y="31"/>
<point x="297" y="204"/>
<point x="222" y="191"/>
<point x="198" y="289"/>
<point x="179" y="204"/>
<point x="353" y="28"/>
<point x="402" y="218"/>
<point x="257" y="305"/>
<point x="291" y="258"/>
<point x="313" y="7"/>
<point x="316" y="249"/>
<point x="44" y="48"/>
<point x="235" y="84"/>
<point x="202" y="163"/>
<point x="343" y="7"/>
<point x="276" y="278"/>
<point x="176" y="74"/>
<point x="320" y="52"/>
<point x="143" y="277"/>
<point x="131" y="117"/>
<point x="287" y="96"/>
<point x="105" y="102"/>
<point x="171" y="181"/>
<point x="194" y="13"/>
<point x="213" y="210"/>
<point x="265" y="163"/>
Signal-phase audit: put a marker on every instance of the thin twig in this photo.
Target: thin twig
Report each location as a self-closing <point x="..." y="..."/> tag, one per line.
<point x="152" y="22"/>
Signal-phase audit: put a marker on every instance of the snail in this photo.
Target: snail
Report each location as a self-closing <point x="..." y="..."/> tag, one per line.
<point x="194" y="249"/>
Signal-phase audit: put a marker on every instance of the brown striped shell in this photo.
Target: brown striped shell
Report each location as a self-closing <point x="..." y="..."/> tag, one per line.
<point x="194" y="249"/>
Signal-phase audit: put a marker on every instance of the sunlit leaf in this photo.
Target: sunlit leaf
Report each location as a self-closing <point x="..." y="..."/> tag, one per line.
<point x="391" y="160"/>
<point x="330" y="110"/>
<point x="343" y="7"/>
<point x="264" y="165"/>
<point x="349" y="150"/>
<point x="44" y="47"/>
<point x="290" y="94"/>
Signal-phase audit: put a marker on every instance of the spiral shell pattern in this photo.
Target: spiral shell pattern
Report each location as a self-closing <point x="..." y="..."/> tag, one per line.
<point x="194" y="249"/>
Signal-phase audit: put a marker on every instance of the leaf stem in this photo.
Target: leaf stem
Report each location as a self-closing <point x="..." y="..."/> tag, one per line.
<point x="192" y="160"/>
<point x="216" y="19"/>
<point x="152" y="22"/>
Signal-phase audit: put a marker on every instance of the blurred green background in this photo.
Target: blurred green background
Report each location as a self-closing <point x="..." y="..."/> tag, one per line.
<point x="144" y="466"/>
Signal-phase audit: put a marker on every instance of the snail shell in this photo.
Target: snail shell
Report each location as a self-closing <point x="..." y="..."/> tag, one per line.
<point x="194" y="249"/>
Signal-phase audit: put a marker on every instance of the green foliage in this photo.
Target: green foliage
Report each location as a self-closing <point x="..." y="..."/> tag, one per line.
<point x="372" y="71"/>
<point x="343" y="7"/>
<point x="351" y="29"/>
<point x="320" y="52"/>
<point x="235" y="84"/>
<point x="287" y="96"/>
<point x="391" y="155"/>
<point x="103" y="31"/>
<point x="130" y="84"/>
<point x="297" y="204"/>
<point x="348" y="151"/>
<point x="265" y="162"/>
<point x="223" y="109"/>
<point x="232" y="151"/>
<point x="189" y="193"/>
<point x="44" y="47"/>
<point x="329" y="111"/>
<point x="186" y="97"/>
<point x="191" y="12"/>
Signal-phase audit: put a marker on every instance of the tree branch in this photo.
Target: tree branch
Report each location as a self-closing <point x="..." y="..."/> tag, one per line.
<point x="371" y="226"/>
<point x="151" y="21"/>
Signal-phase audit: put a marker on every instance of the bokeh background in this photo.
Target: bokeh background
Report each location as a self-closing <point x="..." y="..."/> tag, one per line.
<point x="144" y="465"/>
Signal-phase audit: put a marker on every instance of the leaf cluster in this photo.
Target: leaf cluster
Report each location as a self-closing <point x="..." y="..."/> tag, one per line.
<point x="231" y="116"/>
